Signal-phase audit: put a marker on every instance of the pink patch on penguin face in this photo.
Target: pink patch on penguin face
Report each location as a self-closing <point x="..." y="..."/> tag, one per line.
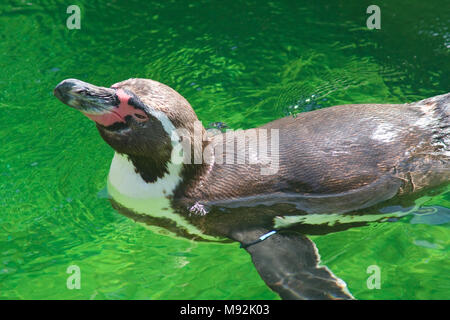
<point x="118" y="114"/>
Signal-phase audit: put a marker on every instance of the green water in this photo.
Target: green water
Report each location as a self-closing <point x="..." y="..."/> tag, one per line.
<point x="240" y="62"/>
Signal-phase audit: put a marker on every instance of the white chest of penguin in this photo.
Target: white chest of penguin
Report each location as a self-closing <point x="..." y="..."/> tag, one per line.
<point x="128" y="189"/>
<point x="123" y="178"/>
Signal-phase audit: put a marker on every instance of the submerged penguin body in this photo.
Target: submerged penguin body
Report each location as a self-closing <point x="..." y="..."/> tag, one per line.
<point x="342" y="161"/>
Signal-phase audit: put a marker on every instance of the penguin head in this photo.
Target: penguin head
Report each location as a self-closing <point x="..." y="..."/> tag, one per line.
<point x="136" y="117"/>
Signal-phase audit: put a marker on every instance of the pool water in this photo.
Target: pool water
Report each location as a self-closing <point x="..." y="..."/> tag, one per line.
<point x="240" y="62"/>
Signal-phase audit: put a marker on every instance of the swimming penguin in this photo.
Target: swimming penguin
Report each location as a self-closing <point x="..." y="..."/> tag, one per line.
<point x="262" y="187"/>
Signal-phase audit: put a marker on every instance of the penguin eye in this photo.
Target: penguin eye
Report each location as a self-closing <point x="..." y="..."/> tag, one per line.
<point x="139" y="116"/>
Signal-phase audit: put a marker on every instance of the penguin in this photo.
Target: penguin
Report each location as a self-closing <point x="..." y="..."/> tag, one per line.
<point x="267" y="187"/>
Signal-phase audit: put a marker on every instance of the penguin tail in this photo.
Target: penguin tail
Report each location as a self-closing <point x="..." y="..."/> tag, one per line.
<point x="440" y="104"/>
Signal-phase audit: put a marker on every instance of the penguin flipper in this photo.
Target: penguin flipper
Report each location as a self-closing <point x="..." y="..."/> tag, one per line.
<point x="288" y="263"/>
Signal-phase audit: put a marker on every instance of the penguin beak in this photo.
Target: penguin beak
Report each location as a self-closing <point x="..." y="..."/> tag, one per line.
<point x="108" y="107"/>
<point x="86" y="97"/>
